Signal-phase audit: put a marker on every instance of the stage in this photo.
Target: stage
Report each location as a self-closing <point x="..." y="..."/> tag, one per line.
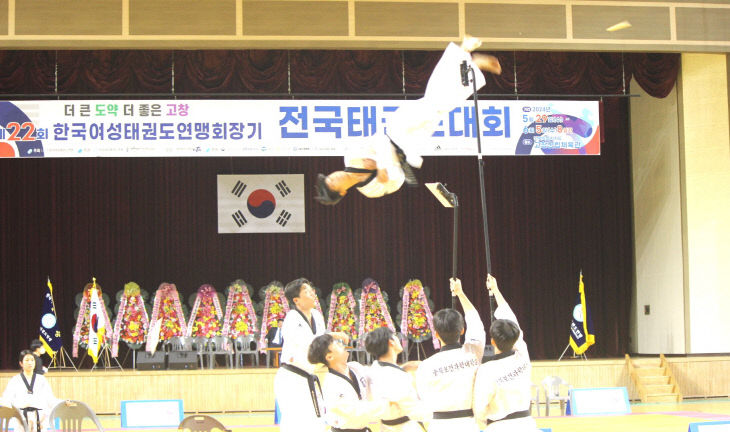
<point x="251" y="389"/>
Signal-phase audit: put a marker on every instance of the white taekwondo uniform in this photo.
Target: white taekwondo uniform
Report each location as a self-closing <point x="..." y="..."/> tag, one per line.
<point x="412" y="125"/>
<point x="446" y="379"/>
<point x="394" y="384"/>
<point x="294" y="380"/>
<point x="502" y="387"/>
<point x="348" y="402"/>
<point x="37" y="394"/>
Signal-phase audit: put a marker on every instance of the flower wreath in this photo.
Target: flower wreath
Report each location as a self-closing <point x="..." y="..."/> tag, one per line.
<point x="373" y="309"/>
<point x="342" y="311"/>
<point x="240" y="319"/>
<point x="416" y="318"/>
<point x="81" y="329"/>
<point x="276" y="307"/>
<point x="132" y="322"/>
<point x="206" y="315"/>
<point x="167" y="308"/>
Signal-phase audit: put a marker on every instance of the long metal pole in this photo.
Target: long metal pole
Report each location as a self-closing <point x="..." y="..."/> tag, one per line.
<point x="454" y="250"/>
<point x="482" y="187"/>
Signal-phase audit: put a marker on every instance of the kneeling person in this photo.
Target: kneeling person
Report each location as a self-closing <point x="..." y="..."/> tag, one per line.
<point x="346" y="388"/>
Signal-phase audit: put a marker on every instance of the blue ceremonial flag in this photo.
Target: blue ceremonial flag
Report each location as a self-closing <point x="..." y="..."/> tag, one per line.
<point x="581" y="328"/>
<point x="50" y="334"/>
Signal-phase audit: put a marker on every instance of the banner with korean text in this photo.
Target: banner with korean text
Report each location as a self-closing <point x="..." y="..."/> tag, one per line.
<point x="145" y="128"/>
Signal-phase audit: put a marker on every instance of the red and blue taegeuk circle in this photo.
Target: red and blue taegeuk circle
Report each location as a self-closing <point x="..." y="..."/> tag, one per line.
<point x="261" y="203"/>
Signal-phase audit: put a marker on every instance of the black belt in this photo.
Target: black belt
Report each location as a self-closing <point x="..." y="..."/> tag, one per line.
<point x="512" y="416"/>
<point x="445" y="415"/>
<point x="26" y="410"/>
<point x="311" y="380"/>
<point x="334" y="429"/>
<point x="373" y="174"/>
<point x="395" y="421"/>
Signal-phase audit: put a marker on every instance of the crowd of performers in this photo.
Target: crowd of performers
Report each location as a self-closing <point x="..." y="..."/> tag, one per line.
<point x="453" y="390"/>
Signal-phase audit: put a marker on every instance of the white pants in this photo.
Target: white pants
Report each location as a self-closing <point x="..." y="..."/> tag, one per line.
<point x="295" y="403"/>
<point x="413" y="124"/>
<point x="462" y="424"/>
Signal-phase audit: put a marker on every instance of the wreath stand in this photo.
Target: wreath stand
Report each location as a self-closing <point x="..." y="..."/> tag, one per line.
<point x="58" y="361"/>
<point x="106" y="359"/>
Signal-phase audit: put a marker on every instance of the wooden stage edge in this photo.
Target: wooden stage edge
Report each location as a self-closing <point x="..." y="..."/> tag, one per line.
<point x="251" y="389"/>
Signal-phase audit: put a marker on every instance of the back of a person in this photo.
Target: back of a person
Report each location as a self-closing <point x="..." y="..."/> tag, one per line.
<point x="445" y="383"/>
<point x="512" y="377"/>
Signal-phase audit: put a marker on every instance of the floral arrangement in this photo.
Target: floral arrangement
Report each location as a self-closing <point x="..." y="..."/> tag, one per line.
<point x="416" y="318"/>
<point x="205" y="318"/>
<point x="373" y="310"/>
<point x="342" y="311"/>
<point x="240" y="318"/>
<point x="168" y="309"/>
<point x="132" y="322"/>
<point x="276" y="307"/>
<point x="81" y="329"/>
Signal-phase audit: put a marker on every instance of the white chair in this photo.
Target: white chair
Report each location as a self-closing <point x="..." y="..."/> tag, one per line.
<point x="556" y="389"/>
<point x="246" y="345"/>
<point x="535" y="400"/>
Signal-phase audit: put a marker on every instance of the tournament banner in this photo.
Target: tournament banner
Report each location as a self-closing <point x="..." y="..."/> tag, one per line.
<point x="261" y="203"/>
<point x="50" y="333"/>
<point x="581" y="327"/>
<point x="154" y="128"/>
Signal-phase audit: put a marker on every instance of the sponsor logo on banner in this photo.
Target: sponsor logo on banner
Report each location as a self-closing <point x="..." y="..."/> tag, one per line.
<point x="261" y="203"/>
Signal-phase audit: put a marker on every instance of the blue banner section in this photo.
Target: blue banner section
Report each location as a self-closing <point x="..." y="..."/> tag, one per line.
<point x="50" y="333"/>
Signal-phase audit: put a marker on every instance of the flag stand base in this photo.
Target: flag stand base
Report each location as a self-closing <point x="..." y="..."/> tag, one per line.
<point x="106" y="359"/>
<point x="583" y="356"/>
<point x="59" y="361"/>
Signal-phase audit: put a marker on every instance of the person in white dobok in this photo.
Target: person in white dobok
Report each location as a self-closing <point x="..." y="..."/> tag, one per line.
<point x="349" y="405"/>
<point x="445" y="380"/>
<point x="394" y="383"/>
<point x="380" y="166"/>
<point x="502" y="386"/>
<point x="296" y="388"/>
<point x="31" y="394"/>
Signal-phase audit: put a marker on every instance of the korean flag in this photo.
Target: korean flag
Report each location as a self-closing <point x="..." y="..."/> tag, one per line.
<point x="260" y="203"/>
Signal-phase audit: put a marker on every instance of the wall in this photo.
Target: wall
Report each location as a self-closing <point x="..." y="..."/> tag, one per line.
<point x="705" y="162"/>
<point x="657" y="225"/>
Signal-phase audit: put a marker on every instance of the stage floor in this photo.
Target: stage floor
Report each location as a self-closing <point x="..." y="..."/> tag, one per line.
<point x="645" y="417"/>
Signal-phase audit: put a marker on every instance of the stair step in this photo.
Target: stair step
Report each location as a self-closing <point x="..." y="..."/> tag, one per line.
<point x="646" y="362"/>
<point x="650" y="371"/>
<point x="667" y="397"/>
<point x="648" y="380"/>
<point x="659" y="389"/>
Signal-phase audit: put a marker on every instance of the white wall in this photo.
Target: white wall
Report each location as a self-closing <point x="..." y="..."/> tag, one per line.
<point x="705" y="164"/>
<point x="657" y="225"/>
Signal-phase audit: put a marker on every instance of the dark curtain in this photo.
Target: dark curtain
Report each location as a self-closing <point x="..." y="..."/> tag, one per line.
<point x="151" y="220"/>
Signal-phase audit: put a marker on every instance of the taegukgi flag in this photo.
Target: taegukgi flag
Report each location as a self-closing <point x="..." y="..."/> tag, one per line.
<point x="261" y="203"/>
<point x="97" y="324"/>
<point x="50" y="334"/>
<point x="581" y="328"/>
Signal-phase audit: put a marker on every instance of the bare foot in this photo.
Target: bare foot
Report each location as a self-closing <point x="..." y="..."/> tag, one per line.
<point x="487" y="63"/>
<point x="470" y="43"/>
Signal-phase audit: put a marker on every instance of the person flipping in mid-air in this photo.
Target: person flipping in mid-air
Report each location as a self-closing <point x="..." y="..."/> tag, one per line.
<point x="382" y="165"/>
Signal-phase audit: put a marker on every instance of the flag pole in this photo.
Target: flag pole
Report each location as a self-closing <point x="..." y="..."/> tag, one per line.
<point x="58" y="360"/>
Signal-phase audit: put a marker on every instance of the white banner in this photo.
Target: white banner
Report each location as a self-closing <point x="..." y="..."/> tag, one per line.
<point x="261" y="203"/>
<point x="143" y="128"/>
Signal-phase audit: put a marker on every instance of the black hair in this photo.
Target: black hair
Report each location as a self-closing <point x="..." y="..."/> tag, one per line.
<point x="505" y="333"/>
<point x="376" y="342"/>
<point x="24" y="353"/>
<point x="319" y="348"/>
<point x="35" y="344"/>
<point x="294" y="288"/>
<point x="449" y="324"/>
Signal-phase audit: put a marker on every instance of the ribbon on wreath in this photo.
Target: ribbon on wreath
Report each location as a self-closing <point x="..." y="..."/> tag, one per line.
<point x="132" y="321"/>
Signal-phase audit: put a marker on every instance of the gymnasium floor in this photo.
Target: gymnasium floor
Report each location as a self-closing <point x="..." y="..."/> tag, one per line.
<point x="659" y="417"/>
